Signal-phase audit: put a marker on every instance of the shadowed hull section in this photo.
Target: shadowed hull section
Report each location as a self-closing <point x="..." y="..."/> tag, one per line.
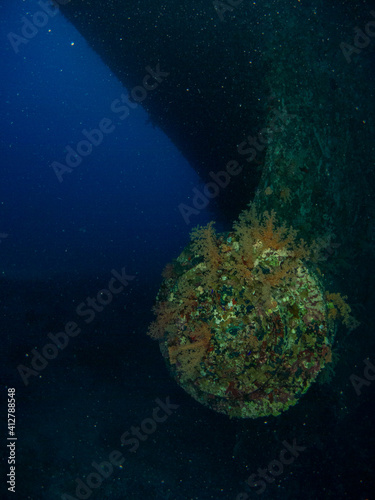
<point x="213" y="97"/>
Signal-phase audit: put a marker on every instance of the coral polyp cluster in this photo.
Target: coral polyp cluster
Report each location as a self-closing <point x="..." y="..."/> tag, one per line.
<point x="243" y="322"/>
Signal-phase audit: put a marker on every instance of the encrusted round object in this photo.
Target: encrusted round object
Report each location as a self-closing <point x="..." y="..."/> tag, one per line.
<point x="243" y="323"/>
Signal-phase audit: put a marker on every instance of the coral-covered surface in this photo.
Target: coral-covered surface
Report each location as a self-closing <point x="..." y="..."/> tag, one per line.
<point x="243" y="320"/>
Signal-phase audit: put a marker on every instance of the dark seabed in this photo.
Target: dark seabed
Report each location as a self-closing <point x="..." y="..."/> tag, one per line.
<point x="82" y="250"/>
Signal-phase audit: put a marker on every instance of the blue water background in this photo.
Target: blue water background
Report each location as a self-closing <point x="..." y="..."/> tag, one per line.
<point x="119" y="207"/>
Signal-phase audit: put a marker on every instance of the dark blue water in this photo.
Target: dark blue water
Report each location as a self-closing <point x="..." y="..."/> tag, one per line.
<point x="63" y="238"/>
<point x="118" y="209"/>
<point x="122" y="200"/>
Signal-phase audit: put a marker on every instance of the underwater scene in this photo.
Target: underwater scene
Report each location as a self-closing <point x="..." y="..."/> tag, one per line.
<point x="187" y="231"/>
